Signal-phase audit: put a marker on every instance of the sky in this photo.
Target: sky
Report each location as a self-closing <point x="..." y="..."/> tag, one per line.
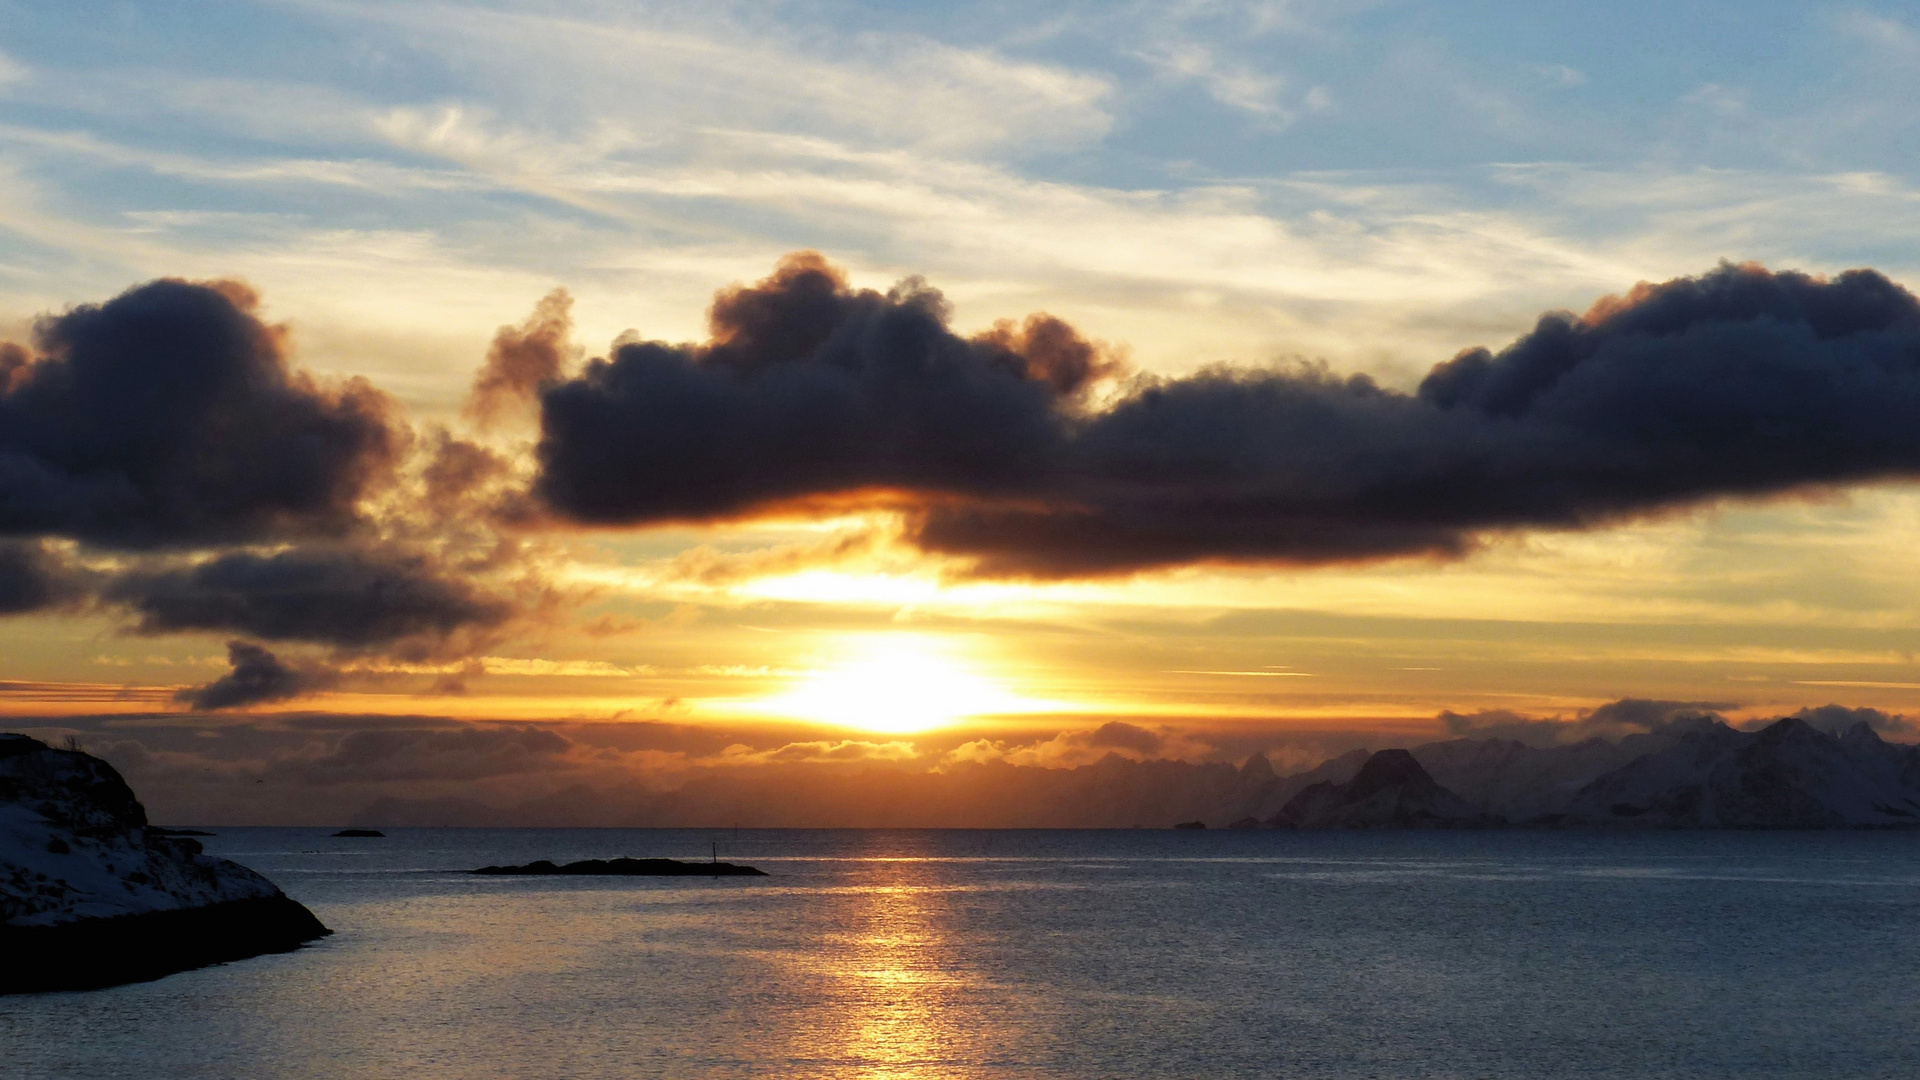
<point x="483" y="400"/>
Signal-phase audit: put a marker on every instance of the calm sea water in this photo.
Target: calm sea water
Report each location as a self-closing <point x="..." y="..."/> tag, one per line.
<point x="1053" y="954"/>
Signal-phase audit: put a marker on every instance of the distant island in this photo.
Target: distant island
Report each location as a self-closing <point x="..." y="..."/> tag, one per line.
<point x="90" y="896"/>
<point x="361" y="833"/>
<point x="627" y="868"/>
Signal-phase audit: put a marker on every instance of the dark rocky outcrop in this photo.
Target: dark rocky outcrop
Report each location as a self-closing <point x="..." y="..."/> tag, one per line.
<point x="626" y="868"/>
<point x="91" y="896"/>
<point x="87" y="954"/>
<point x="1391" y="791"/>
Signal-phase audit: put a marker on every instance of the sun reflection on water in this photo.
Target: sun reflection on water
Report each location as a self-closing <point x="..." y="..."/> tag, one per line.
<point x="892" y="1009"/>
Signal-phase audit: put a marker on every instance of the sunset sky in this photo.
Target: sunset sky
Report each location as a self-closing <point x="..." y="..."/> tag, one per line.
<point x="406" y="503"/>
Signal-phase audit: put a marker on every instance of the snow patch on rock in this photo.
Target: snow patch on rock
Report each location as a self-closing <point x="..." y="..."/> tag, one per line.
<point x="74" y="844"/>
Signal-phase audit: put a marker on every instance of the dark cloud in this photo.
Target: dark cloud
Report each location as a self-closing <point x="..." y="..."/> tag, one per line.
<point x="808" y="389"/>
<point x="1628" y="716"/>
<point x="1836" y="719"/>
<point x="169" y="416"/>
<point x="349" y="598"/>
<point x="1738" y="383"/>
<point x="33" y="578"/>
<point x="258" y="676"/>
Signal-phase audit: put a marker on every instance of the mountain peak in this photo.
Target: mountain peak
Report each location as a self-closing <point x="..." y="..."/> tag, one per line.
<point x="1861" y="735"/>
<point x="1392" y="790"/>
<point x="1388" y="768"/>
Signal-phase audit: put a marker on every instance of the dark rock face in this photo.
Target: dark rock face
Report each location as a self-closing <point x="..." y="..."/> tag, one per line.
<point x="91" y="953"/>
<point x="1391" y="791"/>
<point x="627" y="868"/>
<point x="91" y="896"/>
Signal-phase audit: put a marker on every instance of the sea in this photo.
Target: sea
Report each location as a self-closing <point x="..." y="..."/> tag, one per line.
<point x="1070" y="954"/>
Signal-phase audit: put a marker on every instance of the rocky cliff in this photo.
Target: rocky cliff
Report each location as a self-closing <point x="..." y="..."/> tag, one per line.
<point x="91" y="896"/>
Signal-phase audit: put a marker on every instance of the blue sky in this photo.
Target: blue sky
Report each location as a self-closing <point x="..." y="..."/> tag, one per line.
<point x="1377" y="184"/>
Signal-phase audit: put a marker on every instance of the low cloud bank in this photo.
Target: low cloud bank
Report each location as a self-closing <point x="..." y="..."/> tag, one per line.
<point x="322" y="768"/>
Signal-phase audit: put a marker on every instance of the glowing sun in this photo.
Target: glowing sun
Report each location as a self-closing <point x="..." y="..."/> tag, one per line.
<point x="894" y="684"/>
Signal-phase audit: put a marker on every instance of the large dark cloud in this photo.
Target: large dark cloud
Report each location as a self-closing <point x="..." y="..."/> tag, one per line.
<point x="350" y="598"/>
<point x="33" y="578"/>
<point x="258" y="676"/>
<point x="1738" y="383"/>
<point x="808" y="389"/>
<point x="169" y="425"/>
<point x="169" y="416"/>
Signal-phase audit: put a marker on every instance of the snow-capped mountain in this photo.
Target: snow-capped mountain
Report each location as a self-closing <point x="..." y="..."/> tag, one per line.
<point x="1788" y="775"/>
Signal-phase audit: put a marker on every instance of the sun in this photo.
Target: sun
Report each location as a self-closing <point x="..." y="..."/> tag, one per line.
<point x="894" y="684"/>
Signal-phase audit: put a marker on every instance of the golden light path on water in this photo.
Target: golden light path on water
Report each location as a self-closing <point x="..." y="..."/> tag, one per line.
<point x="896" y="982"/>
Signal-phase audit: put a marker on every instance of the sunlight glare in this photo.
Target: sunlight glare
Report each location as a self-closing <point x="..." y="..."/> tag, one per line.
<point x="894" y="684"/>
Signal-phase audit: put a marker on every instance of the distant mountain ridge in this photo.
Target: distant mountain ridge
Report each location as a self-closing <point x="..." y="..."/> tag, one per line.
<point x="1789" y="775"/>
<point x="1695" y="774"/>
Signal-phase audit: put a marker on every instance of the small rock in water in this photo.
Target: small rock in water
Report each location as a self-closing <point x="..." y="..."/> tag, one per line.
<point x="627" y="868"/>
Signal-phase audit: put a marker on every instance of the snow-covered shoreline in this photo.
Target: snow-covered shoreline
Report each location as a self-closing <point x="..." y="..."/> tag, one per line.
<point x="90" y="895"/>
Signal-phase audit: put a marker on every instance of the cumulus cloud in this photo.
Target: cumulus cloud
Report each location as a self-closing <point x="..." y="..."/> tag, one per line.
<point x="238" y="493"/>
<point x="169" y="416"/>
<point x="808" y="389"/>
<point x="258" y="676"/>
<point x="351" y="598"/>
<point x="1738" y="383"/>
<point x="523" y="358"/>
